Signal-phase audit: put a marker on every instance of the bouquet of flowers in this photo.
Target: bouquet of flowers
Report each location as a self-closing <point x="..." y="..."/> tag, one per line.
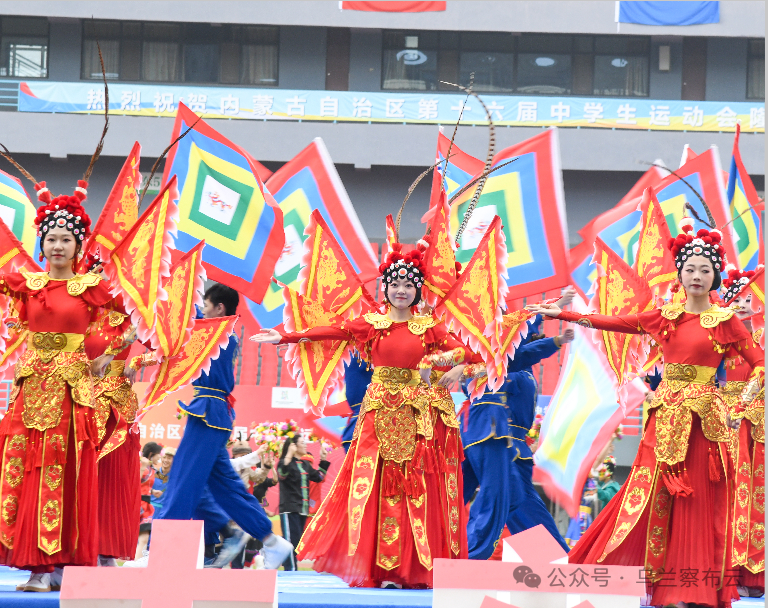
<point x="533" y="434"/>
<point x="273" y="434"/>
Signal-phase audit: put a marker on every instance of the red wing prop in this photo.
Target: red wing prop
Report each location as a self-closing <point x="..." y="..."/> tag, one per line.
<point x="316" y="366"/>
<point x="207" y="338"/>
<point x="440" y="256"/>
<point x="176" y="315"/>
<point x="654" y="261"/>
<point x="141" y="262"/>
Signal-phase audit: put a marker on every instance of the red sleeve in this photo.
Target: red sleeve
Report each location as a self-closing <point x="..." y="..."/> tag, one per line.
<point x="98" y="295"/>
<point x="13" y="285"/>
<point x="315" y="334"/>
<point x="625" y="324"/>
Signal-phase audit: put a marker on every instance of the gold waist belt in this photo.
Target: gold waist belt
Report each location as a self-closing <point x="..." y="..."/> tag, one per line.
<point x="66" y="343"/>
<point x="696" y="374"/>
<point x="397" y="375"/>
<point x="115" y="368"/>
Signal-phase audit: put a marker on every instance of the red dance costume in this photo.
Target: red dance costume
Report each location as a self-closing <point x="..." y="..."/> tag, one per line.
<point x="395" y="505"/>
<point x="749" y="459"/>
<point x="673" y="515"/>
<point x="118" y="460"/>
<point x="49" y="437"/>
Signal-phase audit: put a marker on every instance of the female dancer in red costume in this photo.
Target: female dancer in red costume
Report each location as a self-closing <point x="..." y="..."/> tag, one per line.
<point x="749" y="455"/>
<point x="118" y="460"/>
<point x="395" y="504"/>
<point x="672" y="516"/>
<point x="48" y="491"/>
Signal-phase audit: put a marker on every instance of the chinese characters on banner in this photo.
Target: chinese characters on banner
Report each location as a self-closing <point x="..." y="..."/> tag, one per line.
<point x="430" y="107"/>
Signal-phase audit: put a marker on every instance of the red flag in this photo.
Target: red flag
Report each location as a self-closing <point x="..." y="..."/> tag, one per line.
<point x="12" y="253"/>
<point x="141" y="262"/>
<point x="121" y="209"/>
<point x="654" y="262"/>
<point x="392" y="6"/>
<point x="440" y="256"/>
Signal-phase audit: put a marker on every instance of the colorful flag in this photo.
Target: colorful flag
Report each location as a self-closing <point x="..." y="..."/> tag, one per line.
<point x="460" y="169"/>
<point x="140" y="264"/>
<point x="619" y="228"/>
<point x="528" y="196"/>
<point x="208" y="337"/>
<point x="224" y="202"/>
<point x="581" y="416"/>
<point x="176" y="315"/>
<point x="746" y="209"/>
<point x="307" y="183"/>
<point x="18" y="212"/>
<point x="121" y="209"/>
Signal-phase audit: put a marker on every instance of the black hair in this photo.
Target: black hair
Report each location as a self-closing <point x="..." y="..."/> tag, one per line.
<point x="416" y="300"/>
<point x="716" y="281"/>
<point x="150" y="449"/>
<point x="221" y="294"/>
<point x="287" y="444"/>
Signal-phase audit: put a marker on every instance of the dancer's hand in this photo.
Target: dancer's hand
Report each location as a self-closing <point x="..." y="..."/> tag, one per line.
<point x="323" y="453"/>
<point x="547" y="310"/>
<point x="130" y="373"/>
<point x="567" y="336"/>
<point x="734" y="424"/>
<point x="425" y="373"/>
<point x="567" y="297"/>
<point x="99" y="364"/>
<point x="268" y="336"/>
<point x="452" y="376"/>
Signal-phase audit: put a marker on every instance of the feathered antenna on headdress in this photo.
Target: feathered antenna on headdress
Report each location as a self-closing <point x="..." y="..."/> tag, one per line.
<point x="705" y="243"/>
<point x="100" y="145"/>
<point x="711" y="223"/>
<point x="162" y="156"/>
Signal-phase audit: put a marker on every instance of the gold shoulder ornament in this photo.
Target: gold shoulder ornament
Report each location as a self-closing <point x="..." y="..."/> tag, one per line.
<point x="35" y="280"/>
<point x="672" y="310"/>
<point x="418" y="325"/>
<point x="378" y="320"/>
<point x="80" y="282"/>
<point x="714" y="315"/>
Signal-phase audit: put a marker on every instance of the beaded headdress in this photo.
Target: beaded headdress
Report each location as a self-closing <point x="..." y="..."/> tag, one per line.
<point x="409" y="266"/>
<point x="736" y="280"/>
<point x="63" y="212"/>
<point x="705" y="243"/>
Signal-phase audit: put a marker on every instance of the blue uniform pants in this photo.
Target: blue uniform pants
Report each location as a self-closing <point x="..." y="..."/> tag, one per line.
<point x="486" y="464"/>
<point x="527" y="509"/>
<point x="202" y="460"/>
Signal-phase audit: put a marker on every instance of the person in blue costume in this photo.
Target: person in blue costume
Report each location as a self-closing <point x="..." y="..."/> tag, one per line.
<point x="204" y="484"/>
<point x="357" y="376"/>
<point x="497" y="457"/>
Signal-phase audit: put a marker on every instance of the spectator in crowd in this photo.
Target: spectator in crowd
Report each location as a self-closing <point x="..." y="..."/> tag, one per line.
<point x="294" y="474"/>
<point x="150" y="458"/>
<point x="161" y="477"/>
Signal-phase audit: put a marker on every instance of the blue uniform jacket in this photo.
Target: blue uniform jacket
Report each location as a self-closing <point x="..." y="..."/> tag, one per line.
<point x="510" y="411"/>
<point x="211" y="396"/>
<point x="357" y="377"/>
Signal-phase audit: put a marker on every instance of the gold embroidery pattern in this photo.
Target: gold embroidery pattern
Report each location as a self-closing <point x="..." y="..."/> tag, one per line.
<point x="365" y="462"/>
<point x="758" y="498"/>
<point x="51" y="515"/>
<point x="14" y="471"/>
<point x="49" y="547"/>
<point x="635" y="501"/>
<point x="417" y="501"/>
<point x="361" y="487"/>
<point x="643" y="473"/>
<point x="419" y="531"/>
<point x="742" y="528"/>
<point x="453" y="519"/>
<point x="417" y="325"/>
<point x="453" y="491"/>
<point x="53" y="476"/>
<point x="10" y="509"/>
<point x="396" y="431"/>
<point x="656" y="540"/>
<point x="80" y="282"/>
<point x="757" y="536"/>
<point x="672" y="310"/>
<point x="35" y="280"/>
<point x="663" y="503"/>
<point x="620" y="533"/>
<point x="390" y="530"/>
<point x="18" y="442"/>
<point x="388" y="562"/>
<point x="745" y="470"/>
<point x="755" y="413"/>
<point x="355" y="517"/>
<point x="742" y="494"/>
<point x="393" y="500"/>
<point x="115" y="319"/>
<point x="715" y="315"/>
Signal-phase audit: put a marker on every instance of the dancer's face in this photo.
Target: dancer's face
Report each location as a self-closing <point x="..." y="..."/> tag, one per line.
<point x="301" y="447"/>
<point x="697" y="275"/>
<point x="743" y="305"/>
<point x="59" y="248"/>
<point x="401" y="293"/>
<point x="166" y="462"/>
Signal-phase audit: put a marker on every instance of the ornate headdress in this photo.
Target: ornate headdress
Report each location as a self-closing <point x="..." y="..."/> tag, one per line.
<point x="63" y="212"/>
<point x="736" y="280"/>
<point x="705" y="242"/>
<point x="405" y="266"/>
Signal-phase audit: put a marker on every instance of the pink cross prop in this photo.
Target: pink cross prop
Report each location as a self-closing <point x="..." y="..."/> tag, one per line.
<point x="533" y="545"/>
<point x="174" y="578"/>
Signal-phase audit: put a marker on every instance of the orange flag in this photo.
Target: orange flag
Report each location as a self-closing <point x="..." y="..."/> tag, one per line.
<point x="176" y="315"/>
<point x="472" y="307"/>
<point x="327" y="277"/>
<point x="756" y="289"/>
<point x="654" y="262"/>
<point x="207" y="338"/>
<point x="440" y="256"/>
<point x="619" y="291"/>
<point x="12" y="253"/>
<point x="121" y="209"/>
<point x="316" y="366"/>
<point x="141" y="262"/>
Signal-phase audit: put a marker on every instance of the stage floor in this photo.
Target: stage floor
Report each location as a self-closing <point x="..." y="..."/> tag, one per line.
<point x="295" y="590"/>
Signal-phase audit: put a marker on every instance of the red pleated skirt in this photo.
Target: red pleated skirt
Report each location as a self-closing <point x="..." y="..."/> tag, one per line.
<point x="79" y="512"/>
<point x="698" y="542"/>
<point x="120" y="498"/>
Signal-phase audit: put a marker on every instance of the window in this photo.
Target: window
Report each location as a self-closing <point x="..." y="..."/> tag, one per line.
<point x="24" y="47"/>
<point x="756" y="70"/>
<point x="177" y="52"/>
<point x="527" y="64"/>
